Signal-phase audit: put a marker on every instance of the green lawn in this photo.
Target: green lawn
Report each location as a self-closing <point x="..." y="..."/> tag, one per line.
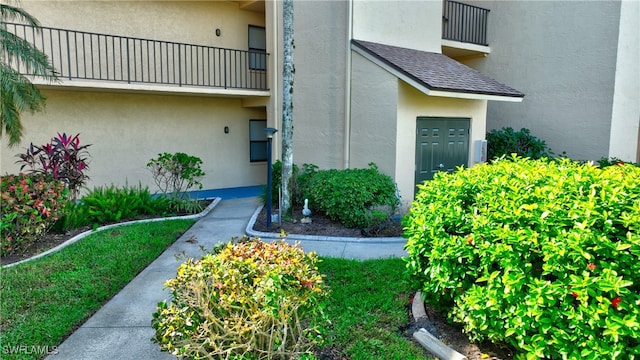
<point x="368" y="308"/>
<point x="43" y="301"/>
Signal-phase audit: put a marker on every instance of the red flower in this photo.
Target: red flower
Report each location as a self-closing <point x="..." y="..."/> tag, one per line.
<point x="574" y="294"/>
<point x="615" y="302"/>
<point x="591" y="266"/>
<point x="619" y="162"/>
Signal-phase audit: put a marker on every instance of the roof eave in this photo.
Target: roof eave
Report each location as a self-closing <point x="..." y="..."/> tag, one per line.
<point x="422" y="87"/>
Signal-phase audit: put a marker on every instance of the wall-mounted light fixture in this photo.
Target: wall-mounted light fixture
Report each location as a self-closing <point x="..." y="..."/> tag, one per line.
<point x="218" y="32"/>
<point x="226" y="129"/>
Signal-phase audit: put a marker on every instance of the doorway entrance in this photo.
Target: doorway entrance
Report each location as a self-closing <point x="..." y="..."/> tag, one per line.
<point x="442" y="144"/>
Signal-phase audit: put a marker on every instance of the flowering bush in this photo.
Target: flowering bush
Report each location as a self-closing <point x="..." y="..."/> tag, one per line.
<point x="30" y="205"/>
<point x="542" y="255"/>
<point x="251" y="300"/>
<point x="63" y="158"/>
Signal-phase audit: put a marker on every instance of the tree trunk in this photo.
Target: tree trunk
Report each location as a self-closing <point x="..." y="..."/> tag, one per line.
<point x="287" y="105"/>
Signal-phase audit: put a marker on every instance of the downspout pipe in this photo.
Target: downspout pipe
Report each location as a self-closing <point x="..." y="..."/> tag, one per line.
<point x="275" y="78"/>
<point x="347" y="89"/>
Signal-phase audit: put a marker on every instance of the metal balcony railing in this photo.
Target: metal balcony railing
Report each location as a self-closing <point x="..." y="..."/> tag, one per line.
<point x="92" y="56"/>
<point x="464" y="23"/>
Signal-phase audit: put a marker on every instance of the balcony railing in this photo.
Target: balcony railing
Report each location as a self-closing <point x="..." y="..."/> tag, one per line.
<point x="464" y="23"/>
<point x="92" y="56"/>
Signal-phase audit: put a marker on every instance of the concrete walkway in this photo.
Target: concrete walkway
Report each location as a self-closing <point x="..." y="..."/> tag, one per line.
<point x="121" y="329"/>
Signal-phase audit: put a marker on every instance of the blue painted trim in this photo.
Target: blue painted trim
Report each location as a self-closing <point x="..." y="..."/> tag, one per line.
<point x="229" y="193"/>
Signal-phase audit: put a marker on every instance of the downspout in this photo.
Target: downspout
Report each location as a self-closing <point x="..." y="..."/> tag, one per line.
<point x="275" y="77"/>
<point x="347" y="89"/>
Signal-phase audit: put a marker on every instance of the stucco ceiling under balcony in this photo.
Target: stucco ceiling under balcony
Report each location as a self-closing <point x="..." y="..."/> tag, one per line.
<point x="251" y="5"/>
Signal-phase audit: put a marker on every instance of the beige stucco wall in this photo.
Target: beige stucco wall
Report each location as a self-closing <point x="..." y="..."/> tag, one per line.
<point x="322" y="36"/>
<point x="130" y="124"/>
<point x="411" y="24"/>
<point x="192" y="22"/>
<point x="562" y="55"/>
<point x="127" y="130"/>
<point x="374" y="103"/>
<point x="412" y="104"/>
<point x="625" y="114"/>
<point x="320" y="33"/>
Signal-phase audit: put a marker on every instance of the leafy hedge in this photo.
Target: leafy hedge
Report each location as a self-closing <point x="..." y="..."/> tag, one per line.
<point x="506" y="141"/>
<point x="252" y="300"/>
<point x="30" y="205"/>
<point x="298" y="183"/>
<point x="542" y="255"/>
<point x="349" y="195"/>
<point x="111" y="204"/>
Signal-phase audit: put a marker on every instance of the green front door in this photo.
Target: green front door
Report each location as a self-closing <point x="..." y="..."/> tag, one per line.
<point x="442" y="144"/>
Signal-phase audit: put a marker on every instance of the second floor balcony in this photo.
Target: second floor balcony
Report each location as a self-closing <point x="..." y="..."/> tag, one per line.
<point x="464" y="29"/>
<point x="84" y="56"/>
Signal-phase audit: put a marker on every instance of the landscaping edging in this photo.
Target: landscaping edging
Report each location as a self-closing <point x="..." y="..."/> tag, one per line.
<point x="428" y="341"/>
<point x="267" y="235"/>
<point x="82" y="235"/>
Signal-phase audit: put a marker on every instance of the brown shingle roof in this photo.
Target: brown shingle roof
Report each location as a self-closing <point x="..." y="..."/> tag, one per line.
<point x="436" y="71"/>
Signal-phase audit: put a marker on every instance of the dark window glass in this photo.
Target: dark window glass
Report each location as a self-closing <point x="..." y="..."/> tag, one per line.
<point x="257" y="48"/>
<point x="257" y="140"/>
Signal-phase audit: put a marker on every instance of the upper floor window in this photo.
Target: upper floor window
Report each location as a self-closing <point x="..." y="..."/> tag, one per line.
<point x="257" y="48"/>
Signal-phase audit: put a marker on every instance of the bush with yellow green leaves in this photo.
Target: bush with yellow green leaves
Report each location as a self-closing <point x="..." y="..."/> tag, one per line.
<point x="538" y="254"/>
<point x="251" y="300"/>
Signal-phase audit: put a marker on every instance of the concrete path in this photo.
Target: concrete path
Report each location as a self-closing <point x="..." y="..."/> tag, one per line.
<point x="121" y="329"/>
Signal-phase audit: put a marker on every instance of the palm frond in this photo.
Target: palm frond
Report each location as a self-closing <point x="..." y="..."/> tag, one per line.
<point x="10" y="13"/>
<point x="27" y="96"/>
<point x="10" y="120"/>
<point x="19" y="52"/>
<point x="18" y="95"/>
<point x="18" y="58"/>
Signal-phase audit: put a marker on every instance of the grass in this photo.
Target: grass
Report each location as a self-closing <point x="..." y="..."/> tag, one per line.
<point x="368" y="308"/>
<point x="44" y="300"/>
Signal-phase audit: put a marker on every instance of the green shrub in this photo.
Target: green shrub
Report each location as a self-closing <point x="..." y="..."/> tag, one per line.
<point x="74" y="216"/>
<point x="298" y="184"/>
<point x="604" y="162"/>
<point x="251" y="300"/>
<point x="176" y="173"/>
<point x="506" y="141"/>
<point x="30" y="205"/>
<point x="543" y="255"/>
<point x="348" y="195"/>
<point x="110" y="204"/>
<point x="276" y="182"/>
<point x="378" y="218"/>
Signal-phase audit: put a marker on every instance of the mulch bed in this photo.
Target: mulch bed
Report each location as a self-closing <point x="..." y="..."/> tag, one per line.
<point x="320" y="225"/>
